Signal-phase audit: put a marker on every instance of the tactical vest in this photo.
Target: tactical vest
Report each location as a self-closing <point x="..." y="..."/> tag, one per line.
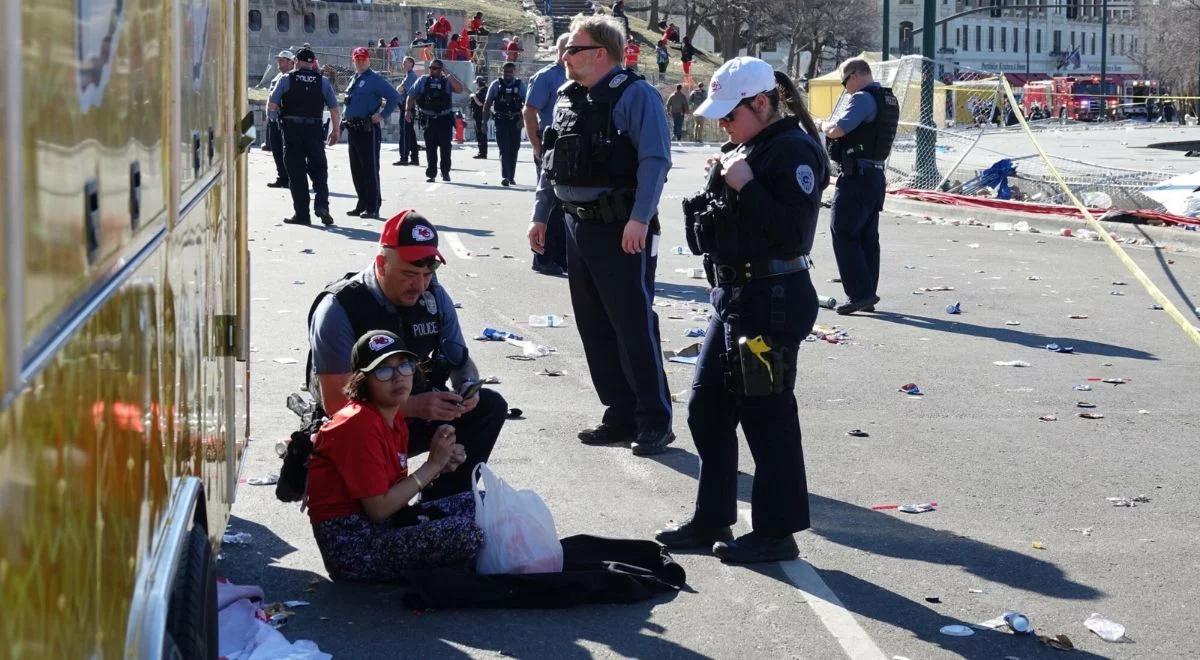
<point x="583" y="148"/>
<point x="873" y="140"/>
<point x="435" y="98"/>
<point x="303" y="98"/>
<point x="508" y="99"/>
<point x="418" y="326"/>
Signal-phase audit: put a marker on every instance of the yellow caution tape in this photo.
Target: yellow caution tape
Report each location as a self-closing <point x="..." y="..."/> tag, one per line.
<point x="1169" y="307"/>
<point x="758" y="346"/>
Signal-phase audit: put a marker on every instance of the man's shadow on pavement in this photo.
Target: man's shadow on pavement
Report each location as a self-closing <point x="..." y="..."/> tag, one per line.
<point x="362" y="620"/>
<point x="1009" y="335"/>
<point x="695" y="293"/>
<point x="465" y="230"/>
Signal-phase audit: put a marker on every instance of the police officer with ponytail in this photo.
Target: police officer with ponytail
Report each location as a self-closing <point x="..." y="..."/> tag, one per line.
<point x="754" y="223"/>
<point x="860" y="140"/>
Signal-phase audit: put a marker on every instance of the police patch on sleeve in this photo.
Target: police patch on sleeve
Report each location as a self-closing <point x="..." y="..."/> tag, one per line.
<point x="617" y="80"/>
<point x="805" y="178"/>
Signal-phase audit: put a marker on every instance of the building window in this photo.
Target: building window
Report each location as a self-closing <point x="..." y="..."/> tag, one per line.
<point x="945" y="32"/>
<point x="906" y="37"/>
<point x="1072" y="9"/>
<point x="310" y="22"/>
<point x="1003" y="39"/>
<point x="1072" y="40"/>
<point x="978" y="38"/>
<point x="991" y="38"/>
<point x="1122" y="44"/>
<point x="283" y="22"/>
<point x="1039" y="42"/>
<point x="335" y="24"/>
<point x="1112" y="44"/>
<point x="255" y="20"/>
<point x="995" y="5"/>
<point x="1093" y="43"/>
<point x="1016" y="40"/>
<point x="958" y="38"/>
<point x="1057" y="42"/>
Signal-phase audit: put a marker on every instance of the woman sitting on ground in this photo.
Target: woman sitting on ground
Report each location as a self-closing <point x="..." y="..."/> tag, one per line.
<point x="359" y="486"/>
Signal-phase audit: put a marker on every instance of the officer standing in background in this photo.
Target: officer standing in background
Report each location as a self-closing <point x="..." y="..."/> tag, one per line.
<point x="286" y="61"/>
<point x="606" y="157"/>
<point x="365" y="94"/>
<point x="539" y="115"/>
<point x="860" y="140"/>
<point x="504" y="100"/>
<point x="408" y="135"/>
<point x="298" y="102"/>
<point x="432" y="99"/>
<point x="478" y="103"/>
<point x="755" y="224"/>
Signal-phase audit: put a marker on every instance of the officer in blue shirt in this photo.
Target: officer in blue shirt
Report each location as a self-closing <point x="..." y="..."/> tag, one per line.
<point x="299" y="101"/>
<point x="286" y="61"/>
<point x="364" y="95"/>
<point x="431" y="101"/>
<point x="538" y="115"/>
<point x="505" y="98"/>
<point x="606" y="157"/>
<point x="859" y="141"/>
<point x="755" y="225"/>
<point x="409" y="148"/>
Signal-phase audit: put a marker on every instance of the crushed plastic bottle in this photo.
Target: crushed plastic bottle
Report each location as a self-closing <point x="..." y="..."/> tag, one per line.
<point x="493" y="334"/>
<point x="1018" y="623"/>
<point x="678" y="249"/>
<point x="1109" y="631"/>
<point x="546" y="321"/>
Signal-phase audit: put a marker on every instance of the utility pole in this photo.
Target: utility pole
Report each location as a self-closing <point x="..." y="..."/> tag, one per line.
<point x="926" y="166"/>
<point x="1103" y="57"/>
<point x="1027" y="12"/>
<point x="887" y="29"/>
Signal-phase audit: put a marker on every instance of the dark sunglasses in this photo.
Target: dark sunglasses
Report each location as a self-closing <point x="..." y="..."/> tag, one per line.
<point x="848" y="77"/>
<point x="575" y="50"/>
<point x="746" y="101"/>
<point x="386" y="373"/>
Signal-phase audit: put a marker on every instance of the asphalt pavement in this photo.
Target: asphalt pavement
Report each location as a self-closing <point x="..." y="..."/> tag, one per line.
<point x="1022" y="520"/>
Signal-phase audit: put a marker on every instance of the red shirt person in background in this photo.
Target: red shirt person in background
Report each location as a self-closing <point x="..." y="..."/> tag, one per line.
<point x="458" y="51"/>
<point x="475" y="27"/>
<point x="632" y="51"/>
<point x="441" y="31"/>
<point x="513" y="51"/>
<point x="359" y="485"/>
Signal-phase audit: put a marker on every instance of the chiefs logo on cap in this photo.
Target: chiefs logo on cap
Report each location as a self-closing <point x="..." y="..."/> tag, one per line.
<point x="714" y="86"/>
<point x="380" y="342"/>
<point x="422" y="233"/>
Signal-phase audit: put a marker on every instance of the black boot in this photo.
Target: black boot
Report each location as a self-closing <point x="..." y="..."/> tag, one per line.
<point x="754" y="547"/>
<point x="692" y="536"/>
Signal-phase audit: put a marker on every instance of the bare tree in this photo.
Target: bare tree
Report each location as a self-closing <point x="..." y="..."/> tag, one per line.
<point x="818" y="26"/>
<point x="1171" y="34"/>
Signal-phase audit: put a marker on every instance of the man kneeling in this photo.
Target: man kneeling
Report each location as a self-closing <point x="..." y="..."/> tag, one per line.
<point x="397" y="293"/>
<point x="359" y="486"/>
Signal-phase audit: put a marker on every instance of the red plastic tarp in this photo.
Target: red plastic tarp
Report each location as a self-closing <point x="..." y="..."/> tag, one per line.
<point x="936" y="197"/>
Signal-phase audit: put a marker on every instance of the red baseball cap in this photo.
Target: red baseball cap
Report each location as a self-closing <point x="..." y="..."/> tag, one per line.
<point x="412" y="237"/>
<point x="360" y="53"/>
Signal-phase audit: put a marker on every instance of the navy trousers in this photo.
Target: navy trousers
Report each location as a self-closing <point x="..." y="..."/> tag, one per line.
<point x="275" y="141"/>
<point x="612" y="294"/>
<point x="410" y="149"/>
<point x="508" y="140"/>
<point x="857" y="201"/>
<point x="437" y="143"/>
<point x="771" y="423"/>
<point x="554" y="252"/>
<point x="304" y="153"/>
<point x="364" y="165"/>
<point x="481" y="135"/>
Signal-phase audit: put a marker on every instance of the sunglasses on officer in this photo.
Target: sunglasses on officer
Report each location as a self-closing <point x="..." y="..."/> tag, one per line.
<point x="847" y="77"/>
<point x="575" y="50"/>
<point x="387" y="373"/>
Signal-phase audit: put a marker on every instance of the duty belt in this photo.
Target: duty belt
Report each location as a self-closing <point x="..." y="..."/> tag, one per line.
<point x="357" y="122"/>
<point x="303" y="120"/>
<point x="740" y="274"/>
<point x="863" y="162"/>
<point x="443" y="113"/>
<point x="609" y="208"/>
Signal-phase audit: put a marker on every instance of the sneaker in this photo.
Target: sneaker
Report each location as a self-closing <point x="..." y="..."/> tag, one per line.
<point x="753" y="548"/>
<point x="864" y="305"/>
<point x="278" y="183"/>
<point x="326" y="219"/>
<point x="297" y="221"/>
<point x="692" y="536"/>
<point x="604" y="434"/>
<point x="652" y="441"/>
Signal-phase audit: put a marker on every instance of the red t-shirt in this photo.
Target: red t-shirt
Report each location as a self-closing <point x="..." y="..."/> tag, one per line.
<point x="514" y="50"/>
<point x="356" y="456"/>
<point x="457" y="52"/>
<point x="476" y="23"/>
<point x="443" y="27"/>
<point x="631" y="54"/>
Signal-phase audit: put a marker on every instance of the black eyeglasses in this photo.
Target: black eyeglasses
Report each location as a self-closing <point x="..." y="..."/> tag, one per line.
<point x="746" y="101"/>
<point x="848" y="77"/>
<point x="575" y="50"/>
<point x="385" y="373"/>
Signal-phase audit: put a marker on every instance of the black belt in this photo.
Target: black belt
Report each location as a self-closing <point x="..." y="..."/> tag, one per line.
<point x="444" y="113"/>
<point x="609" y="208"/>
<point x="357" y="122"/>
<point x="304" y="120"/>
<point x="740" y="274"/>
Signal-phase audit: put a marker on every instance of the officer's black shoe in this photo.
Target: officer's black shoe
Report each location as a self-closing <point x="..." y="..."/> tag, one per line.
<point x="278" y="183"/>
<point x="479" y="157"/>
<point x="354" y="211"/>
<point x="297" y="221"/>
<point x="400" y="162"/>
<point x="754" y="547"/>
<point x="326" y="219"/>
<point x="373" y="215"/>
<point x="864" y="305"/>
<point x="692" y="536"/>
<point x="652" y="441"/>
<point x="553" y="270"/>
<point x="429" y="179"/>
<point x="504" y="182"/>
<point x="605" y="434"/>
<point x="446" y="177"/>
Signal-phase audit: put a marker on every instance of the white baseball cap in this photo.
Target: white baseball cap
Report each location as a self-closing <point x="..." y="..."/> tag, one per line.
<point x="285" y="55"/>
<point x="737" y="79"/>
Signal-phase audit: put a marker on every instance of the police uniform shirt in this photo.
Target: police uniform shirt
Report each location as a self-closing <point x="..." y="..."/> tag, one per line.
<point x="405" y="87"/>
<point x="364" y="93"/>
<point x="543" y="92"/>
<point x="493" y="93"/>
<point x="285" y="84"/>
<point x="859" y="110"/>
<point x="332" y="337"/>
<point x="638" y="113"/>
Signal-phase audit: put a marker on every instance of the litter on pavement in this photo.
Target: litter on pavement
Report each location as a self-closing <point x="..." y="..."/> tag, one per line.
<point x="1077" y="316"/>
<point x="550" y="372"/>
<point x="957" y="630"/>
<point x="1083" y="387"/>
<point x="1018" y="623"/>
<point x="546" y="321"/>
<point x="1086" y="531"/>
<point x="695" y="332"/>
<point x="241" y="538"/>
<point x="923" y="507"/>
<point x="1060" y="642"/>
<point x="1109" y="631"/>
<point x="911" y="389"/>
<point x="1055" y="348"/>
<point x="1084" y="404"/>
<point x="1092" y="415"/>
<point x="1049" y="418"/>
<point x="928" y="289"/>
<point x="1011" y="363"/>
<point x="263" y="481"/>
<point x="1038" y="545"/>
<point x="955" y="308"/>
<point x="1128" y="501"/>
<point x="515" y="413"/>
<point x="686" y="355"/>
<point x="858" y="433"/>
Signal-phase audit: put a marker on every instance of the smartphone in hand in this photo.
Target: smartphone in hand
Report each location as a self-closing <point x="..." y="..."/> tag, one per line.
<point x="470" y="389"/>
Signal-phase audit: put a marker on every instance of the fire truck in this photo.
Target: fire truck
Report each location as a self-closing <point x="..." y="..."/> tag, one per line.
<point x="1071" y="97"/>
<point x="1136" y="93"/>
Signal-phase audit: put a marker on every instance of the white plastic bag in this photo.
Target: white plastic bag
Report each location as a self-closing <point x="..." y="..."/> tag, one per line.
<point x="518" y="530"/>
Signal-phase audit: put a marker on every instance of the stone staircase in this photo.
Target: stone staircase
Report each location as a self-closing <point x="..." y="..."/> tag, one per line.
<point x="564" y="11"/>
